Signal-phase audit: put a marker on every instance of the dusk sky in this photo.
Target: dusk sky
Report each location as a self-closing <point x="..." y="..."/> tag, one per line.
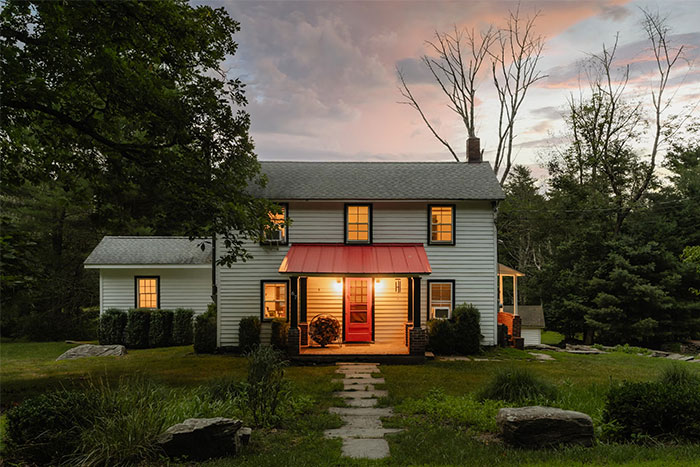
<point x="322" y="84"/>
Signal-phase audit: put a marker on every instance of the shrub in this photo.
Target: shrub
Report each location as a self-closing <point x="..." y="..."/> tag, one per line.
<point x="265" y="385"/>
<point x="205" y="331"/>
<point x="86" y="324"/>
<point x="248" y="333"/>
<point x="467" y="329"/>
<point x="138" y="322"/>
<point x="659" y="409"/>
<point x="183" y="330"/>
<point x="112" y="325"/>
<point x="44" y="430"/>
<point x="441" y="336"/>
<point x="160" y="329"/>
<point x="517" y="385"/>
<point x="279" y="333"/>
<point x="324" y="329"/>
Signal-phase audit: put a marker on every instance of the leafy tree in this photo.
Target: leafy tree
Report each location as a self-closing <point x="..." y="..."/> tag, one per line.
<point x="131" y="97"/>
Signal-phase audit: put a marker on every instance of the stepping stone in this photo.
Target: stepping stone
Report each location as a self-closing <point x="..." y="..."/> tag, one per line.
<point x="350" y="432"/>
<point x="542" y="356"/>
<point x="362" y="421"/>
<point x="361" y="411"/>
<point x="360" y="381"/>
<point x="361" y="402"/>
<point x="358" y="376"/>
<point x="361" y="394"/>
<point x="358" y="387"/>
<point x="365" y="448"/>
<point x="352" y="371"/>
<point x="455" y="359"/>
<point x="356" y="364"/>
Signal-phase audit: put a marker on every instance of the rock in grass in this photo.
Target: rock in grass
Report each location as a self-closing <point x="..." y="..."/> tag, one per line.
<point x="92" y="350"/>
<point x="539" y="427"/>
<point x="201" y="438"/>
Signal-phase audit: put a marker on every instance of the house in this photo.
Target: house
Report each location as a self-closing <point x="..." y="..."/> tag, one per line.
<point x="381" y="247"/>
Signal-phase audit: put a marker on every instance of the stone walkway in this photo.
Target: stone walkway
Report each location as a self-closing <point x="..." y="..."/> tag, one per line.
<point x="362" y="434"/>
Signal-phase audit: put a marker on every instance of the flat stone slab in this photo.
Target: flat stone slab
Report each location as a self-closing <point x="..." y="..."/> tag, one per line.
<point x="356" y="364"/>
<point x="361" y="394"/>
<point x="360" y="381"/>
<point x="353" y="371"/>
<point x="362" y="421"/>
<point x="358" y="376"/>
<point x="359" y="448"/>
<point x="92" y="350"/>
<point x="361" y="402"/>
<point x="542" y="356"/>
<point x="455" y="359"/>
<point x="350" y="432"/>
<point x="361" y="411"/>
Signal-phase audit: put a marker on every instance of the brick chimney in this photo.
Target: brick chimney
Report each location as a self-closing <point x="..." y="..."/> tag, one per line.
<point x="473" y="149"/>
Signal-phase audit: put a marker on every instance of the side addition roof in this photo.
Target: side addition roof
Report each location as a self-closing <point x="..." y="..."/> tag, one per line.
<point x="114" y="251"/>
<point x="379" y="180"/>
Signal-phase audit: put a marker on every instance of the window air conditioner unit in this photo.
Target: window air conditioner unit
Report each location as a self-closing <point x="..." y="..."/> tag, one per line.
<point x="441" y="312"/>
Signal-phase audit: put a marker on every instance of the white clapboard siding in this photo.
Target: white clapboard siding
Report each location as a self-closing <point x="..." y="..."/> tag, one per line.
<point x="532" y="336"/>
<point x="471" y="263"/>
<point x="179" y="288"/>
<point x="390" y="310"/>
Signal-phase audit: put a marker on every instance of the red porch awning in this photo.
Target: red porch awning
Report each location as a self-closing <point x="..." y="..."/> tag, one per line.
<point x="378" y="259"/>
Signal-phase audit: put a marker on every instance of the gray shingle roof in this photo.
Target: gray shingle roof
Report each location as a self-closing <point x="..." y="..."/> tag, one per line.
<point x="379" y="180"/>
<point x="531" y="316"/>
<point x="149" y="250"/>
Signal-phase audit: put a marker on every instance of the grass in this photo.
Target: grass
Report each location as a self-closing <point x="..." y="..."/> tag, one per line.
<point x="552" y="337"/>
<point x="451" y="428"/>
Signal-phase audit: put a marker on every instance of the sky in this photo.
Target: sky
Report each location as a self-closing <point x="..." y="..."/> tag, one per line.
<point x="321" y="75"/>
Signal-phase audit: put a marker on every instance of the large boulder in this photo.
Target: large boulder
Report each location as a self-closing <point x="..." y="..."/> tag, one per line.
<point x="92" y="350"/>
<point x="202" y="438"/>
<point x="538" y="427"/>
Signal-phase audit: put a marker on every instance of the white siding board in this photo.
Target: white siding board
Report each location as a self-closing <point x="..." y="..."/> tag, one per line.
<point x="179" y="288"/>
<point x="532" y="336"/>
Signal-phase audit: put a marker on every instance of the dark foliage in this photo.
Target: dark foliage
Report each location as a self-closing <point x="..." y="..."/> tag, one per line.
<point x="667" y="410"/>
<point x="43" y="430"/>
<point x="160" y="330"/>
<point x="183" y="327"/>
<point x="248" y="333"/>
<point x="324" y="329"/>
<point x="205" y="331"/>
<point x="517" y="385"/>
<point x="460" y="334"/>
<point x="138" y="321"/>
<point x="112" y="326"/>
<point x="278" y="338"/>
<point x="265" y="384"/>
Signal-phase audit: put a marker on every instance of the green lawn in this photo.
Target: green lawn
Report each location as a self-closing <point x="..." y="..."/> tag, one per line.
<point x="582" y="380"/>
<point x="552" y="337"/>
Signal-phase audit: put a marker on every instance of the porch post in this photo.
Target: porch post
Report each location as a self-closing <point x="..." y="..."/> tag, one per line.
<point x="500" y="292"/>
<point x="515" y="295"/>
<point x="418" y="337"/>
<point x="416" y="302"/>
<point x="293" y="333"/>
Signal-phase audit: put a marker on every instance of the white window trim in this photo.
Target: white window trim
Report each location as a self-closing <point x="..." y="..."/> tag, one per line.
<point x="443" y="303"/>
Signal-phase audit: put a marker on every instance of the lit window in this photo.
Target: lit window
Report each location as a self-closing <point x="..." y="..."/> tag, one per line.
<point x="278" y="234"/>
<point x="357" y="223"/>
<point x="146" y="292"/>
<point x="442" y="224"/>
<point x="274" y="300"/>
<point x="440" y="299"/>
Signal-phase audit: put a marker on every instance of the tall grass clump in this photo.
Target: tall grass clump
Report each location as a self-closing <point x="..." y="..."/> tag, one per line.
<point x="517" y="385"/>
<point x="679" y="375"/>
<point x="265" y="387"/>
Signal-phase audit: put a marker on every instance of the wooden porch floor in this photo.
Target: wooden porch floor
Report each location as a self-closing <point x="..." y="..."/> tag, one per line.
<point x="389" y="348"/>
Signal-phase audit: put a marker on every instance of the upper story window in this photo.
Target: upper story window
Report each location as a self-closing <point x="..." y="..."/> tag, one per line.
<point x="440" y="299"/>
<point x="277" y="235"/>
<point x="274" y="300"/>
<point x="441" y="228"/>
<point x="358" y="223"/>
<point x="147" y="292"/>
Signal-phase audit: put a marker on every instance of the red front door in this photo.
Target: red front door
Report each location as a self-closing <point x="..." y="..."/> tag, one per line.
<point x="358" y="310"/>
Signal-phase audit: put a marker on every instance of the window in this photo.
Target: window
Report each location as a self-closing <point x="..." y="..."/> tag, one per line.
<point x="440" y="299"/>
<point x="274" y="300"/>
<point x="442" y="225"/>
<point x="279" y="234"/>
<point x="147" y="292"/>
<point x="358" y="223"/>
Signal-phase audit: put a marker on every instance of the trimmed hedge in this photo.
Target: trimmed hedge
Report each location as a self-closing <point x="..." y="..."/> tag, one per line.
<point x="160" y="330"/>
<point x="248" y="333"/>
<point x="205" y="331"/>
<point x="278" y="338"/>
<point x="460" y="334"/>
<point x="111" y="328"/>
<point x="138" y="321"/>
<point x="183" y="330"/>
